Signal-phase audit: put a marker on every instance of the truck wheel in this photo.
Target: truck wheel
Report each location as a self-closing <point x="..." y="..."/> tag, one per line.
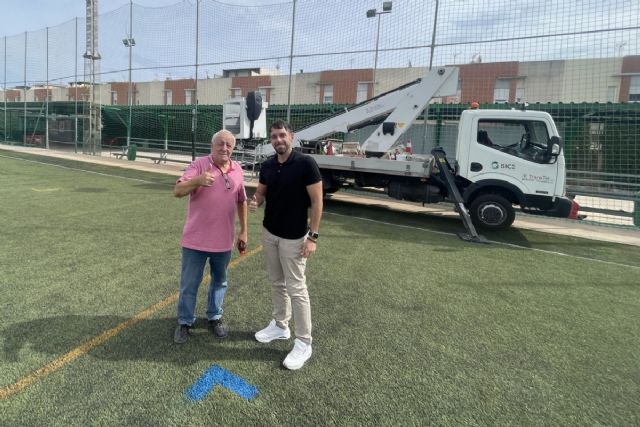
<point x="328" y="185"/>
<point x="492" y="211"/>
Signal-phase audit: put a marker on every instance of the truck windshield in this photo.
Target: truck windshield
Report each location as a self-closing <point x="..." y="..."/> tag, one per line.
<point x="527" y="139"/>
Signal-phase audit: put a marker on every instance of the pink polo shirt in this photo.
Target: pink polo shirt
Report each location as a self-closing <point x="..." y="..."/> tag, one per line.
<point x="210" y="224"/>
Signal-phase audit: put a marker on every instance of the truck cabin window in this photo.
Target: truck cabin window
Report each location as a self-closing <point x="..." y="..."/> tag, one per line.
<point x="525" y="139"/>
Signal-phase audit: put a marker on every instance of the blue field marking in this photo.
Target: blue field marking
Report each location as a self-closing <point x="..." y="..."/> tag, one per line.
<point x="216" y="375"/>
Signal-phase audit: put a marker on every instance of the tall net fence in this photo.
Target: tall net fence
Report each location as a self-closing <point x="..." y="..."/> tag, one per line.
<point x="164" y="73"/>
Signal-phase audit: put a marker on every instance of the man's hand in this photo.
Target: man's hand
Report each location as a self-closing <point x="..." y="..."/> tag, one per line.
<point x="308" y="248"/>
<point x="243" y="241"/>
<point x="253" y="204"/>
<point x="207" y="179"/>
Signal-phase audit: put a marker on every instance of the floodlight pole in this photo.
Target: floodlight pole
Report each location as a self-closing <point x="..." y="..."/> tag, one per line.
<point x="375" y="61"/>
<point x="386" y="8"/>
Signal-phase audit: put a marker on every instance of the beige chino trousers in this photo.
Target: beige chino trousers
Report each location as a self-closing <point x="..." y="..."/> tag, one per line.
<point x="286" y="266"/>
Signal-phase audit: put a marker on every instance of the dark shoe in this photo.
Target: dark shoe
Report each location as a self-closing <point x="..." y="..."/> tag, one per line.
<point x="218" y="329"/>
<point x="181" y="334"/>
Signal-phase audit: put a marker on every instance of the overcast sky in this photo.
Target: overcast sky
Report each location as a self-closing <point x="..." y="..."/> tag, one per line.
<point x="329" y="35"/>
<point x="19" y="16"/>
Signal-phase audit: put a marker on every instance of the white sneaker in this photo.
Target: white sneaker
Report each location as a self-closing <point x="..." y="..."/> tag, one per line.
<point x="273" y="332"/>
<point x="298" y="356"/>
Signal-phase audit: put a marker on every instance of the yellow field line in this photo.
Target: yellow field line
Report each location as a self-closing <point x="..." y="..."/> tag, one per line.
<point x="101" y="339"/>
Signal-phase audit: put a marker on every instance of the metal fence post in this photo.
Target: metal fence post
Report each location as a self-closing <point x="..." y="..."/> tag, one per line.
<point x="130" y="91"/>
<point x="46" y="95"/>
<point x="24" y="93"/>
<point x="75" y="55"/>
<point x="5" y="89"/>
<point x="194" y="118"/>
<point x="433" y="35"/>
<point x="293" y="31"/>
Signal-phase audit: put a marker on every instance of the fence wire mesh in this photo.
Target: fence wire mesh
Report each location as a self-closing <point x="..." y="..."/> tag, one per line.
<point x="163" y="74"/>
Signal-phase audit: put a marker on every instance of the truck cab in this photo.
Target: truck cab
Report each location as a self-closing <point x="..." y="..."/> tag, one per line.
<point x="507" y="157"/>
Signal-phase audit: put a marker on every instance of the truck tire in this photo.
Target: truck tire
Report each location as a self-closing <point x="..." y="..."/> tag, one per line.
<point x="329" y="186"/>
<point x="492" y="211"/>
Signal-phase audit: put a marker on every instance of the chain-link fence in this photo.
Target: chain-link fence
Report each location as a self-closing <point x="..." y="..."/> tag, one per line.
<point x="158" y="77"/>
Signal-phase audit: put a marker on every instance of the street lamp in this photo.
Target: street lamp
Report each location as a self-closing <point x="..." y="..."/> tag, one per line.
<point x="372" y="13"/>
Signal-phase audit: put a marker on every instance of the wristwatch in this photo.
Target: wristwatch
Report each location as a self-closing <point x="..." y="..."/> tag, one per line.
<point x="312" y="235"/>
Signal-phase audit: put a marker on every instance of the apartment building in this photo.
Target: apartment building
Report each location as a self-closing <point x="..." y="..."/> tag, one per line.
<point x="577" y="80"/>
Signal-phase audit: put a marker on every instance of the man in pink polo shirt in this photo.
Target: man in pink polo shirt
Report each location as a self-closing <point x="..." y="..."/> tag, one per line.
<point x="215" y="185"/>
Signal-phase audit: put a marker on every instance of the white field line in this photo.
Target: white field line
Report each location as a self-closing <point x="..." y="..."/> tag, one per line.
<point x="80" y="170"/>
<point x="635" y="267"/>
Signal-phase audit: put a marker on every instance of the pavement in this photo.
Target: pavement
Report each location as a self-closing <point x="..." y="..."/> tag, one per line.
<point x="606" y="233"/>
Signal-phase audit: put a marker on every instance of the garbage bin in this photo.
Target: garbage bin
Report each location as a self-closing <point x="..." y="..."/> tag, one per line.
<point x="636" y="210"/>
<point x="131" y="152"/>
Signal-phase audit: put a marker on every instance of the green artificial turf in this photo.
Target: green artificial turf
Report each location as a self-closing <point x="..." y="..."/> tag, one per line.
<point x="412" y="326"/>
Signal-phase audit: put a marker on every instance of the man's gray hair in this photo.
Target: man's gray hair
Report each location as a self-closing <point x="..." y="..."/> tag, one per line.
<point x="223" y="132"/>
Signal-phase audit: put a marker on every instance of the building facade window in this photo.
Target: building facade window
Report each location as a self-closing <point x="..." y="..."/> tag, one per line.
<point x="362" y="92"/>
<point x="520" y="94"/>
<point x="189" y="96"/>
<point x="236" y="93"/>
<point x="327" y="97"/>
<point x="634" y="89"/>
<point x="114" y="97"/>
<point x="501" y="91"/>
<point x="167" y="97"/>
<point x="611" y="94"/>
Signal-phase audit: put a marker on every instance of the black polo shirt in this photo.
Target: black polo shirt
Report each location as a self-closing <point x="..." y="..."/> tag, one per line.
<point x="288" y="201"/>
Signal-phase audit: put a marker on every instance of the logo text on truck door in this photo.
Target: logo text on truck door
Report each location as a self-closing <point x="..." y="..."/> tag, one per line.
<point x="497" y="165"/>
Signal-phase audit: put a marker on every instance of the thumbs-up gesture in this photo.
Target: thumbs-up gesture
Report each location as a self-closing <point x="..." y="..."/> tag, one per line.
<point x="206" y="179"/>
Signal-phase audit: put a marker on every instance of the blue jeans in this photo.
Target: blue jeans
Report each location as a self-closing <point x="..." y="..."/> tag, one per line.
<point x="193" y="263"/>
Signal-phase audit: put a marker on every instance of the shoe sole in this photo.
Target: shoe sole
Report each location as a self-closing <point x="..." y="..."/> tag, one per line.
<point x="295" y="367"/>
<point x="218" y="336"/>
<point x="181" y="340"/>
<point x="266" y="341"/>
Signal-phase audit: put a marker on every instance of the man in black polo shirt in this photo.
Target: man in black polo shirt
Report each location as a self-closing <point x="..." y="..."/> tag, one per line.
<point x="290" y="183"/>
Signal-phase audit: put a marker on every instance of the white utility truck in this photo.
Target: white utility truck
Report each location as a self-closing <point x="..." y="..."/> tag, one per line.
<point x="503" y="157"/>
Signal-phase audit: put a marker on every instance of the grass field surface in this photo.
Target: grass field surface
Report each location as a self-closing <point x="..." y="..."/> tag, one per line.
<point x="412" y="326"/>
